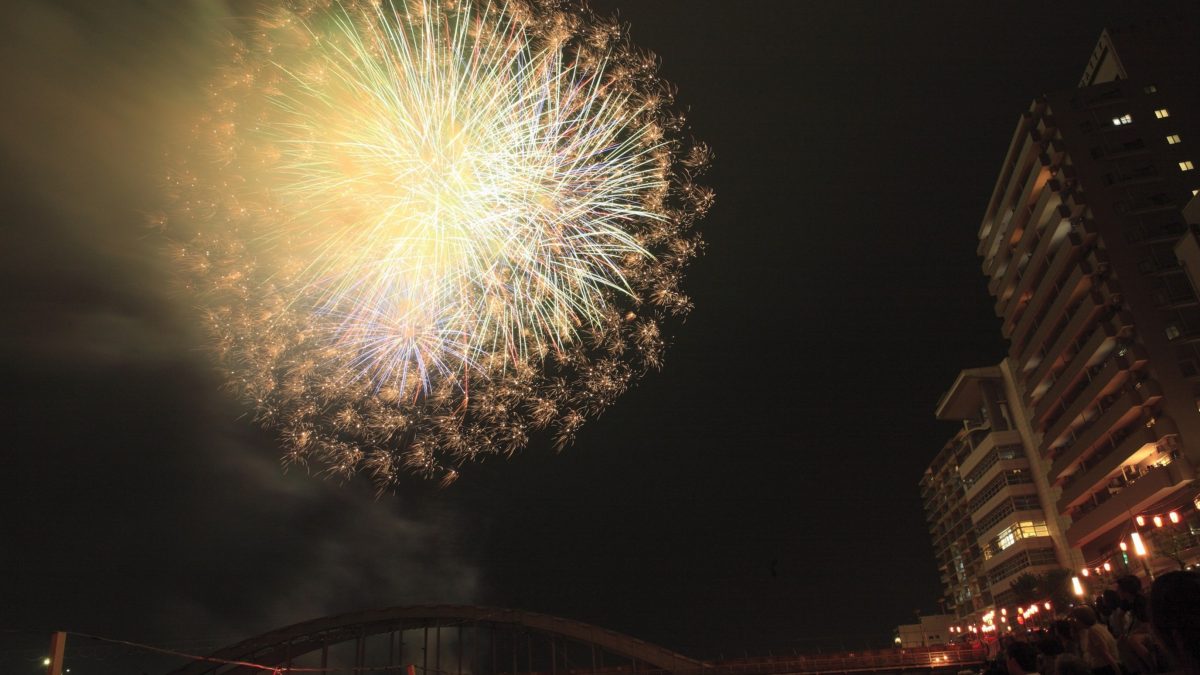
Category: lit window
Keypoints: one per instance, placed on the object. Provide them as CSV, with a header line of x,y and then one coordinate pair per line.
x,y
1161,113
1186,165
1122,120
1173,139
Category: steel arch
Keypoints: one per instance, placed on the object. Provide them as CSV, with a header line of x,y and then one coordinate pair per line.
x,y
278,647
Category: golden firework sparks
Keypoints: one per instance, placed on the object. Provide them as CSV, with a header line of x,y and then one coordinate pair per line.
x,y
421,229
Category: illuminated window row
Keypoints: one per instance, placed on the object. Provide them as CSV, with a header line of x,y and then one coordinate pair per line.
x,y
1128,119
1012,534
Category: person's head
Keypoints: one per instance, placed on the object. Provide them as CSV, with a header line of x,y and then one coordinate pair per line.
x,y
1084,616
1109,601
1022,658
1129,587
1175,616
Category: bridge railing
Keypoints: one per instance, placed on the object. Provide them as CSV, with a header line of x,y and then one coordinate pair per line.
x,y
883,660
854,662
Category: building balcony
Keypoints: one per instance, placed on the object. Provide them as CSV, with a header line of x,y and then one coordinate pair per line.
x,y
1016,516
996,469
1005,584
1031,235
1018,323
989,443
1081,322
1015,549
1105,379
1055,151
1005,492
1064,294
1107,462
1053,230
1117,414
1149,489
1045,392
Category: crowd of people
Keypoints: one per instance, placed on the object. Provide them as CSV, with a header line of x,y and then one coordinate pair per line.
x,y
1123,632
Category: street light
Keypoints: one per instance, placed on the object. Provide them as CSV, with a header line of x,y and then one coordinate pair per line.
x,y
1138,547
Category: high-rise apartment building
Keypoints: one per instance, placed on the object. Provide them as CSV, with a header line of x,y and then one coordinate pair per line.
x,y
1079,243
955,546
985,499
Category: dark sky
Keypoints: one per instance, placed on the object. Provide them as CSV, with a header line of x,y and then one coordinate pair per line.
x,y
759,494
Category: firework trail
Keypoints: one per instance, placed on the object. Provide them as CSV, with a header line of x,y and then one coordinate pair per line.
x,y
421,230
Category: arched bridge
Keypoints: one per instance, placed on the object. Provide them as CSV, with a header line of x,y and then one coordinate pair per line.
x,y
465,640
445,640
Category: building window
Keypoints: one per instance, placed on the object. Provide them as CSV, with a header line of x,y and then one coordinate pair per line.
x,y
1186,165
1161,113
1122,120
1173,139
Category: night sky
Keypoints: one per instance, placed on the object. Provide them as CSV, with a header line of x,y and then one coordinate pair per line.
x,y
759,494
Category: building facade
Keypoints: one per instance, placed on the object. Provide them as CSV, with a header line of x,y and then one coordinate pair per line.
x,y
955,546
1079,243
990,513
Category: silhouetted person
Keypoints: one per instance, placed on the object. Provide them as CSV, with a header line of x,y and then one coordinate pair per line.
x,y
1129,592
1175,616
1050,646
1097,646
1139,651
1022,659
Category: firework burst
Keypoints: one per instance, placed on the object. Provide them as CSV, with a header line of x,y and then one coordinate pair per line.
x,y
421,230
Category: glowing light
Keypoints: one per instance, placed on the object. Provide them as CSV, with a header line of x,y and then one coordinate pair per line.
x,y
1085,571
1047,606
422,230
1107,567
1077,586
46,661
1124,546
1174,516
1138,547
1141,521
1158,521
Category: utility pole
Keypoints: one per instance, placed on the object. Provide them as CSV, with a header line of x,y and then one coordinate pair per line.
x,y
58,644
